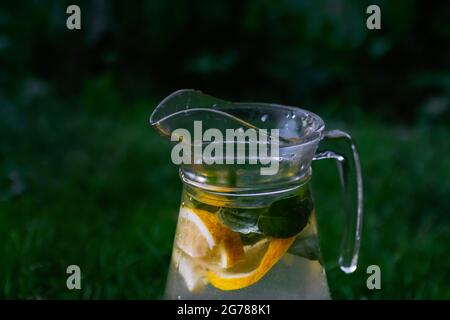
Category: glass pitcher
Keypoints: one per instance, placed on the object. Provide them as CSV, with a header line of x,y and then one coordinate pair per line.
x,y
244,231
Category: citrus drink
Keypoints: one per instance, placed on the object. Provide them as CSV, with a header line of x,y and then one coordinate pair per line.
x,y
246,247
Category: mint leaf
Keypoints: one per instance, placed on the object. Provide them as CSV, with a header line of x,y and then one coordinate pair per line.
x,y
307,247
251,238
240,220
283,219
286,218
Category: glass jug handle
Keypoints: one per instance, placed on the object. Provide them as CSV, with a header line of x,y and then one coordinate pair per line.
x,y
337,144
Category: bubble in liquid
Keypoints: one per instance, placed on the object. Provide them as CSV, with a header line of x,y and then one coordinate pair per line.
x,y
264,118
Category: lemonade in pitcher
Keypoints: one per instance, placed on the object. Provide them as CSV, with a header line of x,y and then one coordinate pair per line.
x,y
226,249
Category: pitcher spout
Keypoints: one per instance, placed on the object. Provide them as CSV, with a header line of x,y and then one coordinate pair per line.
x,y
185,106
236,146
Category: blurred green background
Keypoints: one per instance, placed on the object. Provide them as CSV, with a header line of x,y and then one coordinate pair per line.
x,y
84,180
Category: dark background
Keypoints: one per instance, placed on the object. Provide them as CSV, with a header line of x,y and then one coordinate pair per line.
x,y
84,180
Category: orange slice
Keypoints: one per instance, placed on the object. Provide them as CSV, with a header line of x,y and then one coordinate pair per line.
x,y
239,277
193,274
202,235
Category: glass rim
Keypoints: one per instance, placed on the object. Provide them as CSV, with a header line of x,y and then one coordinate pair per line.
x,y
311,136
248,192
315,134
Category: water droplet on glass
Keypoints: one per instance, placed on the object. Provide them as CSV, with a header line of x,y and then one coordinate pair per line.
x,y
264,118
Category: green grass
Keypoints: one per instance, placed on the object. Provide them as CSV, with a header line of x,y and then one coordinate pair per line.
x,y
94,186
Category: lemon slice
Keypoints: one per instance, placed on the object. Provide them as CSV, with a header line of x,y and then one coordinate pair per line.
x,y
194,274
202,235
240,276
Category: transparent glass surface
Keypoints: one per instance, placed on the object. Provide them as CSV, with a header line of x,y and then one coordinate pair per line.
x,y
244,235
299,135
296,274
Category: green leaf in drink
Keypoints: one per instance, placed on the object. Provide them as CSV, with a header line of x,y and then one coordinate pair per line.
x,y
307,247
285,218
251,238
240,220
